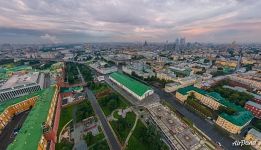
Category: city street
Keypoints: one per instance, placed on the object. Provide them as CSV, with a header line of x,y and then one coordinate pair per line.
x,y
201,123
112,140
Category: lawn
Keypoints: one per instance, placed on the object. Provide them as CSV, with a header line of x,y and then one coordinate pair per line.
x,y
72,73
66,116
64,145
145,139
111,102
98,87
84,110
123,126
100,146
90,139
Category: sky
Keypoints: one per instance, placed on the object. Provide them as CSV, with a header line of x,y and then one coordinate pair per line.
x,y
70,21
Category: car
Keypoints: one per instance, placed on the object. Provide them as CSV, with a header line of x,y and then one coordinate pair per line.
x,y
219,144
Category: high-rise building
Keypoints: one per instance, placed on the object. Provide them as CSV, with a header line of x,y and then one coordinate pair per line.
x,y
182,43
177,44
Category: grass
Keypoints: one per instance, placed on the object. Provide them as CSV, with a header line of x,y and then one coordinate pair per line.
x,y
116,115
99,87
90,139
111,102
100,146
134,142
139,140
64,145
84,110
123,126
66,116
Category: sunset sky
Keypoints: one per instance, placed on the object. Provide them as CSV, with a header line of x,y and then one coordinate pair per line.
x,y
68,21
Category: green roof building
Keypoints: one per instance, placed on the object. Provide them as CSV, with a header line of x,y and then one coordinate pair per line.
x,y
237,121
132,86
31,133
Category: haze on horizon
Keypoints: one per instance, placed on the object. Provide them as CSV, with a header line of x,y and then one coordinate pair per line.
x,y
68,21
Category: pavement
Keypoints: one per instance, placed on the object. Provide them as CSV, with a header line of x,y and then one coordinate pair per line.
x,y
199,122
7,136
112,140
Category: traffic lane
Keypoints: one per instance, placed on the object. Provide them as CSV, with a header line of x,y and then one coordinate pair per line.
x,y
202,124
108,131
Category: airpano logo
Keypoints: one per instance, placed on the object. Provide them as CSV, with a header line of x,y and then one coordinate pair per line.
x,y
243,142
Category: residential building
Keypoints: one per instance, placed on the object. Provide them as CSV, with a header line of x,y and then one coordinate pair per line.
x,y
140,69
166,75
254,137
232,123
255,108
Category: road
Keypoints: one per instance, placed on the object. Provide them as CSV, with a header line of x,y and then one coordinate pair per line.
x,y
80,74
47,80
201,123
7,136
112,140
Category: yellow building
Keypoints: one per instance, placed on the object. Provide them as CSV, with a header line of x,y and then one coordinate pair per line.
x,y
254,138
229,63
13,109
166,76
232,123
40,127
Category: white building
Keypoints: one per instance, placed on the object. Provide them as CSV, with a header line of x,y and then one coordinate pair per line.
x,y
19,85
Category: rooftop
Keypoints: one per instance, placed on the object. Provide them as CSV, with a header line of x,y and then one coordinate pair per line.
x,y
10,102
240,118
133,85
256,133
241,115
254,104
71,89
31,131
186,90
17,80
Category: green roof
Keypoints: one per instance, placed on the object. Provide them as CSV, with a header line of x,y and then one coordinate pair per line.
x,y
217,97
239,119
186,90
31,131
132,84
241,116
2,70
10,102
71,89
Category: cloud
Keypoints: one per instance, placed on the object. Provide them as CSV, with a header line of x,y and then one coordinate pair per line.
x,y
129,20
50,39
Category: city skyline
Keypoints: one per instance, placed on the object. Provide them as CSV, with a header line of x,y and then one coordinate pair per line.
x,y
37,22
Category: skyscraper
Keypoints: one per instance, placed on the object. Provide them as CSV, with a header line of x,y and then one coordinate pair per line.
x,y
177,44
182,41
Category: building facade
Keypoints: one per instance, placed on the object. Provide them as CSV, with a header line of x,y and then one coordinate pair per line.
x,y
254,137
20,85
255,108
232,123
134,87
